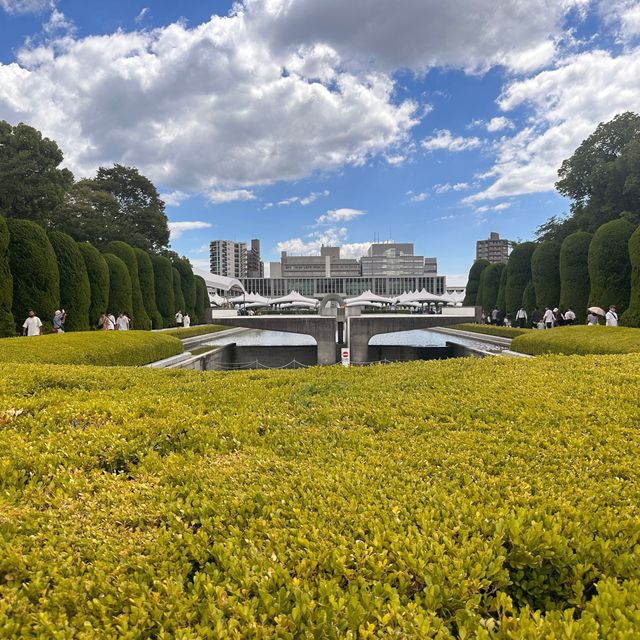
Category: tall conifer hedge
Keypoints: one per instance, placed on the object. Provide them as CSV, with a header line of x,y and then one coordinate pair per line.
x,y
574,274
490,285
98,273
163,281
631,317
187,284
126,253
36,279
473,282
177,293
202,300
148,287
120,299
545,274
501,300
518,275
7,323
75,291
610,265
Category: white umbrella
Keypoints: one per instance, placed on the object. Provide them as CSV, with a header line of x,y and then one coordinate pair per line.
x,y
294,296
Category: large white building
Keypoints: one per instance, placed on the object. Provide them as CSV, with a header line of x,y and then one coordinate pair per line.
x,y
228,258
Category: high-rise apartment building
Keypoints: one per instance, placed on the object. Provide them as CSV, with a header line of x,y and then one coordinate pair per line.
x,y
228,258
255,266
494,249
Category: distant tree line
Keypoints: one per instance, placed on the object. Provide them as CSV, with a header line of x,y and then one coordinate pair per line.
x,y
591,257
90,246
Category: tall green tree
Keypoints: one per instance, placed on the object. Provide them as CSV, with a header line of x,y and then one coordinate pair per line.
x,y
610,265
187,284
141,220
501,301
33,185
165,297
473,282
126,253
148,287
202,300
178,296
120,300
574,274
518,275
545,274
7,324
36,279
98,273
631,317
529,298
490,285
75,290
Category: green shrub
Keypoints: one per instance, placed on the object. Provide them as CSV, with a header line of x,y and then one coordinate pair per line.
x,y
491,330
421,500
36,279
104,348
75,291
7,323
126,253
473,282
119,286
574,274
631,317
98,273
501,301
148,287
187,285
610,265
529,299
518,275
177,293
545,274
202,300
190,332
163,280
579,340
489,286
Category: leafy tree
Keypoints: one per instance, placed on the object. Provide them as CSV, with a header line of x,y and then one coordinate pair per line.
x,y
7,325
75,291
501,301
177,293
163,281
120,300
98,273
529,298
545,274
187,284
610,265
36,279
126,253
473,282
202,300
33,186
148,287
518,275
490,285
631,317
140,219
574,273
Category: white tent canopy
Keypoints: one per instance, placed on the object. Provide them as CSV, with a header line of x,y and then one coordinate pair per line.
x,y
249,298
294,296
368,296
216,281
216,300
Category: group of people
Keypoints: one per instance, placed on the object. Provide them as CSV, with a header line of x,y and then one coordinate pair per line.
x,y
183,319
547,319
108,322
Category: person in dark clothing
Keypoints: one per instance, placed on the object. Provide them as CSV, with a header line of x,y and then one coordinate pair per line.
x,y
535,317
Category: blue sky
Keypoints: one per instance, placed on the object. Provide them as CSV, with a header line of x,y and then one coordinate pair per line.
x,y
302,122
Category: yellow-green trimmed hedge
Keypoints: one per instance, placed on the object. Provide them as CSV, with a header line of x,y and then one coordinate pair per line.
x,y
199,330
580,340
423,500
105,348
491,330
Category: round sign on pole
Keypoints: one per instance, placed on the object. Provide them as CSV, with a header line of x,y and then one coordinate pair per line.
x,y
346,357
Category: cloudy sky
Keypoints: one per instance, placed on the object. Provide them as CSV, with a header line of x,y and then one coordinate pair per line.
x,y
303,122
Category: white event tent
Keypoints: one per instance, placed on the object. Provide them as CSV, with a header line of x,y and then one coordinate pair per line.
x,y
294,297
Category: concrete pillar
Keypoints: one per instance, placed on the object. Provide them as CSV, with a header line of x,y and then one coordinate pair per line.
x,y
358,341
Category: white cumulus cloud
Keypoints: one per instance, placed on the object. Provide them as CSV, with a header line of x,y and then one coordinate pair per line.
x,y
444,140
235,195
339,215
176,229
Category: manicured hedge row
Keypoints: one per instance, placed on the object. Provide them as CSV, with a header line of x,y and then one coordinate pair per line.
x,y
579,340
502,332
424,500
7,323
191,332
106,348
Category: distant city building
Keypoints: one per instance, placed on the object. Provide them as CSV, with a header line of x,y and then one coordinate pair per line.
x,y
396,260
328,264
228,258
494,249
255,267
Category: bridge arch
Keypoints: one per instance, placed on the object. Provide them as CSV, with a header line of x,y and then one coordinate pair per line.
x,y
331,297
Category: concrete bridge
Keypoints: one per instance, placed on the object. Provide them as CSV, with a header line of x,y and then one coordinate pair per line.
x,y
360,328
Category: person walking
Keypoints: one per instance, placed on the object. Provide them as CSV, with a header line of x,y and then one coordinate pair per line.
x,y
123,323
592,319
611,319
106,323
186,320
521,317
569,317
535,318
32,326
548,318
58,321
179,318
494,316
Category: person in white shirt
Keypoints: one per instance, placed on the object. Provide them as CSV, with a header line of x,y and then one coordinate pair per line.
x,y
611,317
569,316
32,326
123,323
179,318
548,318
186,320
521,317
112,322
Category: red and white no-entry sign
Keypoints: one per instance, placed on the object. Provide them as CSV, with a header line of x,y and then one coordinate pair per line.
x,y
346,357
